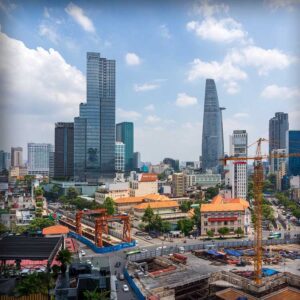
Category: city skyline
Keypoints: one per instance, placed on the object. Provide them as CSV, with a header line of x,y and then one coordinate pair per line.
x,y
162,94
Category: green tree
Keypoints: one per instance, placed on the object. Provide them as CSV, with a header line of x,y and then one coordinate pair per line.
x,y
156,223
96,295
166,226
148,215
211,192
210,233
185,225
110,205
223,231
197,217
3,228
39,224
64,256
38,191
185,206
72,193
239,232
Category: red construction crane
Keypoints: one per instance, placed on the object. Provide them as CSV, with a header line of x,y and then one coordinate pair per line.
x,y
80,213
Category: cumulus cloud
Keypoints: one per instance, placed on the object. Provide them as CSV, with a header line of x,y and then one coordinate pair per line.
x,y
150,107
78,14
232,87
280,92
164,31
225,30
152,119
132,59
127,115
145,87
184,100
37,84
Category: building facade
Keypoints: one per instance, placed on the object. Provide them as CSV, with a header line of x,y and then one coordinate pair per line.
x,y
38,158
16,156
293,146
238,169
64,150
120,157
4,160
145,184
276,161
95,128
124,134
137,160
212,134
178,184
278,126
203,180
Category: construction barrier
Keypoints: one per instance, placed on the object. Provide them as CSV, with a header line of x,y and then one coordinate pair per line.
x,y
135,288
96,249
29,297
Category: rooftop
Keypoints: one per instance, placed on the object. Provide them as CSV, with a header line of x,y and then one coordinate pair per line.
x,y
220,204
149,197
56,229
155,205
148,177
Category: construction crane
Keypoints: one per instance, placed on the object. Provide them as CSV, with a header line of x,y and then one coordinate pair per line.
x,y
258,181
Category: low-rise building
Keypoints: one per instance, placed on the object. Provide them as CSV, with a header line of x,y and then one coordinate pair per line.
x,y
159,207
113,190
146,183
231,213
203,180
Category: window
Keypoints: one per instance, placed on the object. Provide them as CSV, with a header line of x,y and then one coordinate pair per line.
x,y
225,222
205,215
205,223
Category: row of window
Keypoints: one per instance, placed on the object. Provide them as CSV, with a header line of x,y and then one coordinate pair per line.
x,y
218,223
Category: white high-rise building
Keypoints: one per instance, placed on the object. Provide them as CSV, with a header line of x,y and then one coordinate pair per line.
x,y
238,169
120,157
38,158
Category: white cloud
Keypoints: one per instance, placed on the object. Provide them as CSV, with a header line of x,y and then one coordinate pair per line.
x,y
232,87
49,33
152,119
78,14
280,92
207,9
224,30
279,4
145,87
241,115
127,115
164,31
46,13
45,89
264,60
132,59
150,107
184,100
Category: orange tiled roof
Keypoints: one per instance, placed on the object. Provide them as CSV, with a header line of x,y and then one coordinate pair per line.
x,y
220,204
149,197
56,229
156,197
155,205
129,200
148,177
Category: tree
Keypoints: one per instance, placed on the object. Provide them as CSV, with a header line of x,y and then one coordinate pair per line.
x,y
185,206
3,228
39,224
72,193
239,231
185,225
110,205
64,256
96,295
210,233
38,191
197,217
223,231
211,192
156,223
166,226
148,215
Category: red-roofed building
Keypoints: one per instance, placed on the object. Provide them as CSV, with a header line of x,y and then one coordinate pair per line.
x,y
147,183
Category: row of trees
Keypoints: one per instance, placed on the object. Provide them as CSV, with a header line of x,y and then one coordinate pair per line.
x,y
154,221
225,231
284,200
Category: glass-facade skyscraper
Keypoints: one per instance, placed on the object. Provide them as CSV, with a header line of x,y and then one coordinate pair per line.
x,y
120,157
293,146
125,135
212,134
94,129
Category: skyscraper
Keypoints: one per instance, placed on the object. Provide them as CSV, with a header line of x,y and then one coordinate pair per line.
x,y
64,150
4,160
16,156
238,169
137,160
278,127
120,157
212,134
125,135
95,129
293,146
38,158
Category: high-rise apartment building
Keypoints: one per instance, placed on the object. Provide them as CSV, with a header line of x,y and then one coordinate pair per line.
x,y
38,158
238,169
120,157
95,128
212,135
178,184
124,134
278,126
137,160
16,156
293,146
64,150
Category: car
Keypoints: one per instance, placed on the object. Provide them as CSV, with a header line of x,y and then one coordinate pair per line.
x,y
82,252
25,272
121,276
125,288
88,262
148,237
144,250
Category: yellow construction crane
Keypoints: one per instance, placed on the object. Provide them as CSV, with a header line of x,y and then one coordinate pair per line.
x,y
258,180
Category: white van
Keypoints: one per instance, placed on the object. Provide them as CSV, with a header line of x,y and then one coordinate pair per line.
x,y
181,249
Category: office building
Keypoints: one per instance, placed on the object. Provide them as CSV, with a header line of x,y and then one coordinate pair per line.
x,y
38,158
212,134
203,180
137,160
278,127
95,128
178,185
16,156
4,160
51,164
293,146
124,134
275,160
120,157
172,163
64,150
238,169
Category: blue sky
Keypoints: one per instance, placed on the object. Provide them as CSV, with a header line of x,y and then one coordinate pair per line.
x,y
164,52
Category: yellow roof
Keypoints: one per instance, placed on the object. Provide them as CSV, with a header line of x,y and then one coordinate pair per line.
x,y
156,197
128,200
56,229
155,205
149,197
220,204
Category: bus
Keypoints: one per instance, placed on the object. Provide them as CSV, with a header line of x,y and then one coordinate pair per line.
x,y
131,252
274,235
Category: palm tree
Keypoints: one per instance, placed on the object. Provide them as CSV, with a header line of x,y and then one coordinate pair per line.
x,y
95,295
64,256
33,284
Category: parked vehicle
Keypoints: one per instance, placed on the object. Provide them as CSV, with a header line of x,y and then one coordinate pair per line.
x,y
125,288
82,252
181,249
121,276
